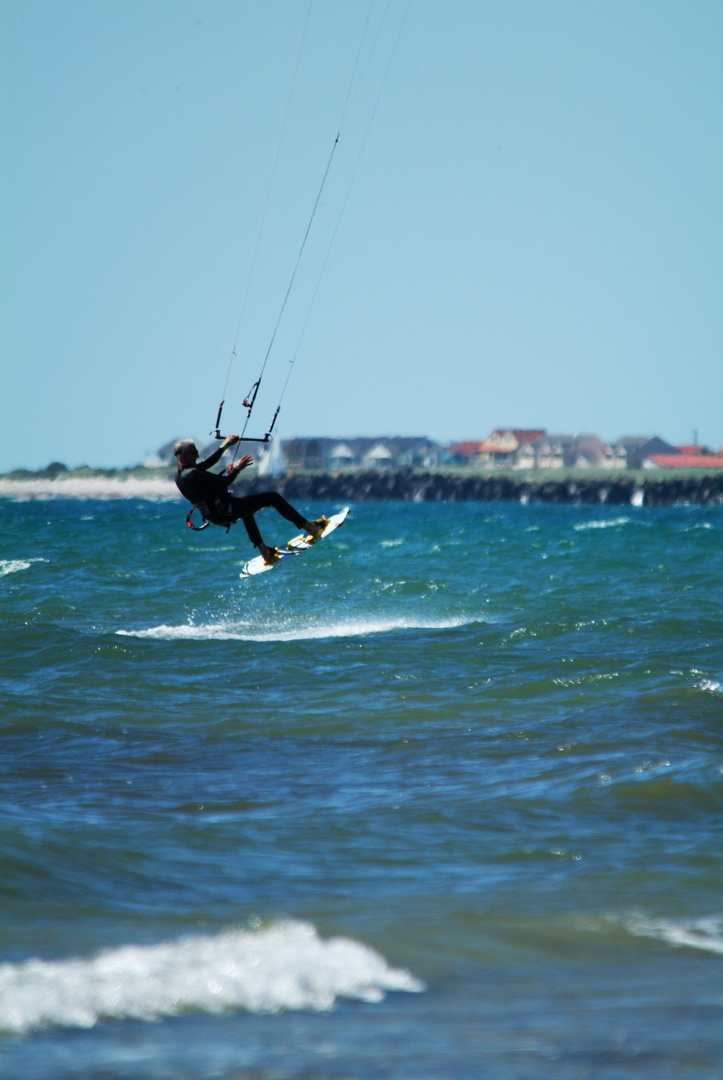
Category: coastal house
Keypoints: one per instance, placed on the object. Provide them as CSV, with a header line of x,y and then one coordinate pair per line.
x,y
341,456
590,452
305,453
378,457
572,451
465,453
415,452
526,457
683,461
693,448
503,444
636,448
549,451
361,453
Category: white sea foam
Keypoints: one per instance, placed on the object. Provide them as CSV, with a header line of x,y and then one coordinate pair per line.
x,y
12,566
705,934
235,631
285,966
712,685
609,524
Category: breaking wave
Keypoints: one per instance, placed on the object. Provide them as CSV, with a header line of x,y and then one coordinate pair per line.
x,y
12,566
705,933
354,627
282,967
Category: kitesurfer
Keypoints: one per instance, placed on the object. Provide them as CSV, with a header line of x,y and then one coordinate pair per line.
x,y
209,492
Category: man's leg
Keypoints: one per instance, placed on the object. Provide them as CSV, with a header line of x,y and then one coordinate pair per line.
x,y
246,506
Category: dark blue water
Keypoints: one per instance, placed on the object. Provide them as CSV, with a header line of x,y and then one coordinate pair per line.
x,y
439,798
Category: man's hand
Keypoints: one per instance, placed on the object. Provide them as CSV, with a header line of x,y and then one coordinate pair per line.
x,y
230,440
243,463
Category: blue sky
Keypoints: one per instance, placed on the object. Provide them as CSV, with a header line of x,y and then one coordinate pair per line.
x,y
521,225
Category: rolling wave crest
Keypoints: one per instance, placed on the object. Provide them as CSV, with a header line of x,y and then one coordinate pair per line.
x,y
329,628
705,934
285,966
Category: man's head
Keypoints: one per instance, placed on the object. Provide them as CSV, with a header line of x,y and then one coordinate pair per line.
x,y
186,451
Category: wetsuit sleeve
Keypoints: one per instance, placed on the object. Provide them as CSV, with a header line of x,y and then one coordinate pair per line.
x,y
231,475
211,459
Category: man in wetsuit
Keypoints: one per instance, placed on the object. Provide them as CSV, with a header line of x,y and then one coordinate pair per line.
x,y
209,492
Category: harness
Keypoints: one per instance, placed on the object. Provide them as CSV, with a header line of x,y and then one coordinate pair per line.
x,y
210,514
208,517
192,524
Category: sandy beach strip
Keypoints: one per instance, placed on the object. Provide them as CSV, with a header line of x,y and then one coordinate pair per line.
x,y
89,487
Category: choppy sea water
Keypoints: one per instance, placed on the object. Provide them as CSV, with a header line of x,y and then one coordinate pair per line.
x,y
440,799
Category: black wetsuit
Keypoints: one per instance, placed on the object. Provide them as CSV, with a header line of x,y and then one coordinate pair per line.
x,y
209,492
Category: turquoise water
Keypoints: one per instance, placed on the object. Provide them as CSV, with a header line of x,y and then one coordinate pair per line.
x,y
440,798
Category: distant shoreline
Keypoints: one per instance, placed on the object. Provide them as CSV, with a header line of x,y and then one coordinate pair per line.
x,y
596,487
88,486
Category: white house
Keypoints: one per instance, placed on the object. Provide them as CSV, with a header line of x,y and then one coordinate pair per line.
x,y
379,457
341,456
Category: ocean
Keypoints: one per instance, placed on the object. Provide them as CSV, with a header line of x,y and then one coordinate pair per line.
x,y
440,799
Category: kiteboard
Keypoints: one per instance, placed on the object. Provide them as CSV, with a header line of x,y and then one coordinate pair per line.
x,y
295,546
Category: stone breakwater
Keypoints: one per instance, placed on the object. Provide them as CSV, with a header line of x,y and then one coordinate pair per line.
x,y
406,485
400,485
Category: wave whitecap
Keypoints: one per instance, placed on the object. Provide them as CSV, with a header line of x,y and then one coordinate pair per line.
x,y
286,966
705,934
609,523
233,631
13,566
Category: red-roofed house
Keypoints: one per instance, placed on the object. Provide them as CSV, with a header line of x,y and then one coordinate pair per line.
x,y
684,461
502,445
466,452
693,448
